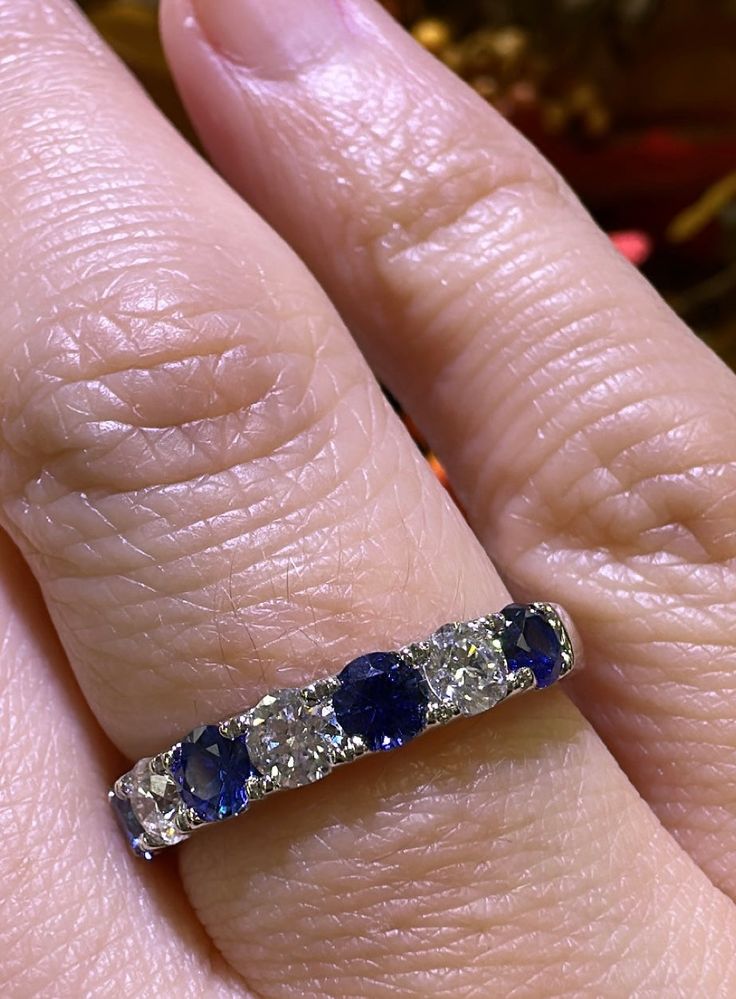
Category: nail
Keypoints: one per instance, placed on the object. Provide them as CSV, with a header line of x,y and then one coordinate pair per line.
x,y
273,38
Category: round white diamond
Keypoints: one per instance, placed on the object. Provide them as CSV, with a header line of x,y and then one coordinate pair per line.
x,y
464,670
288,740
155,801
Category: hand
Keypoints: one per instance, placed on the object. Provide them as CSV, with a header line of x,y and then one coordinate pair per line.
x,y
216,500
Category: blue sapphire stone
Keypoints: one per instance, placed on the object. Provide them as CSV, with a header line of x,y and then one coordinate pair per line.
x,y
529,640
130,825
382,699
211,772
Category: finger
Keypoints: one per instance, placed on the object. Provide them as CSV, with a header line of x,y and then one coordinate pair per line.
x,y
197,466
584,428
209,486
76,918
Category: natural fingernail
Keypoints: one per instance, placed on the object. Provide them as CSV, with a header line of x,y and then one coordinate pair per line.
x,y
274,38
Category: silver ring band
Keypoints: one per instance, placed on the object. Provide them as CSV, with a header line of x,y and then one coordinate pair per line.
x,y
379,701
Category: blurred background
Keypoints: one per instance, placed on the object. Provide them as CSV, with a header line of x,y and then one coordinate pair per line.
x,y
634,101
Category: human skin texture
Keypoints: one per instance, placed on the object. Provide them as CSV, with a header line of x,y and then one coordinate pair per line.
x,y
199,469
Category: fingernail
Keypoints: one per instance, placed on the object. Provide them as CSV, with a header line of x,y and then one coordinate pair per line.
x,y
273,38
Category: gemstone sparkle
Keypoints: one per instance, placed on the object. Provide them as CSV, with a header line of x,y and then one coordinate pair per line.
x,y
155,803
288,740
211,771
382,699
464,670
530,640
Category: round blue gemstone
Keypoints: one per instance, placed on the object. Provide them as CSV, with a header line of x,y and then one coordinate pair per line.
x,y
382,699
529,640
211,772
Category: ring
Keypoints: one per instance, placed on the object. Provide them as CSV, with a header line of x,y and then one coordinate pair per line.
x,y
377,702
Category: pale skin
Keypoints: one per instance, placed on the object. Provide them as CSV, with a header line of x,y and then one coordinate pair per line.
x,y
200,471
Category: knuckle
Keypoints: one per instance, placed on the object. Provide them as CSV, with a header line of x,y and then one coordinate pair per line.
x,y
642,476
470,226
130,395
636,498
135,437
457,185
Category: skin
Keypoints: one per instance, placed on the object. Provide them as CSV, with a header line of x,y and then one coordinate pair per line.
x,y
214,498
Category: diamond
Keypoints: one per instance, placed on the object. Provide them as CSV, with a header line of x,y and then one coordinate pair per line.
x,y
211,771
530,640
289,740
382,699
130,825
155,802
464,670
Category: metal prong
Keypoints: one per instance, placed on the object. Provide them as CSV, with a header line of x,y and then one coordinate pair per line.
x,y
519,681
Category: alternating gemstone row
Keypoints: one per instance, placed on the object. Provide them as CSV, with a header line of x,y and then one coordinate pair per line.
x,y
377,702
